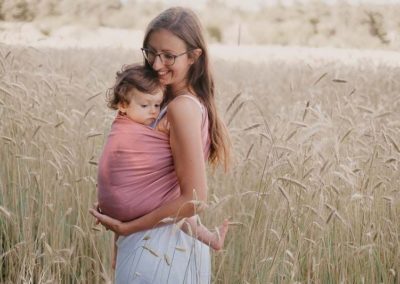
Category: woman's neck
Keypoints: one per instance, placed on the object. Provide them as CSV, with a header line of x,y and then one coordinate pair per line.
x,y
180,90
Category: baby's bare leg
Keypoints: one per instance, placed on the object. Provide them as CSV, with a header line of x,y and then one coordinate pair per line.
x,y
213,239
218,242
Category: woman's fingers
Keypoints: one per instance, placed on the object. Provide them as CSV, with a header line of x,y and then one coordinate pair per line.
x,y
96,206
94,212
97,215
96,209
108,222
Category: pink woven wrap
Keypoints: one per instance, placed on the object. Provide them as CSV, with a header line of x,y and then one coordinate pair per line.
x,y
136,171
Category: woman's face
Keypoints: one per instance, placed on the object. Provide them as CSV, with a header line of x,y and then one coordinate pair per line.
x,y
163,41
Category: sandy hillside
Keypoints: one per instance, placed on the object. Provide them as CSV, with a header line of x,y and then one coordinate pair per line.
x,y
83,37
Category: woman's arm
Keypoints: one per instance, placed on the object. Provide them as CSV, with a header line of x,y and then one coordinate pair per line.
x,y
186,143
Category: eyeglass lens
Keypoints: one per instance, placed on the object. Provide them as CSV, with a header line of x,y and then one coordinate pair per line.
x,y
166,58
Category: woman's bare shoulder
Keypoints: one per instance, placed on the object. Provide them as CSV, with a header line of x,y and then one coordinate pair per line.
x,y
183,109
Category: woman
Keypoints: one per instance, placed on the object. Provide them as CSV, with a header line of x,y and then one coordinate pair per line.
x,y
174,47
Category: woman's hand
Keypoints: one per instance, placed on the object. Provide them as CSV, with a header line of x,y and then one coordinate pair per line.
x,y
108,222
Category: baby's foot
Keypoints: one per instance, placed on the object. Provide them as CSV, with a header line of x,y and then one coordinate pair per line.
x,y
219,237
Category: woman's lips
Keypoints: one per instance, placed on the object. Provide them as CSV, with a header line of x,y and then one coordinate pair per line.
x,y
162,74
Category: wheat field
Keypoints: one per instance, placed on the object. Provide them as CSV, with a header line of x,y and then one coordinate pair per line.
x,y
313,194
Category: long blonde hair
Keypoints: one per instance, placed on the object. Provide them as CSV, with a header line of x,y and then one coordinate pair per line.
x,y
184,23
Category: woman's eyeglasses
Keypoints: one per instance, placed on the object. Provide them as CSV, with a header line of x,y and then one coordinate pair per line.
x,y
166,58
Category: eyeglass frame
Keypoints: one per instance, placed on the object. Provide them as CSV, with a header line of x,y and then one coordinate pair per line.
x,y
159,55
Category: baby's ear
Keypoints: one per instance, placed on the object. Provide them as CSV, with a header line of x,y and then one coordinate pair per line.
x,y
122,107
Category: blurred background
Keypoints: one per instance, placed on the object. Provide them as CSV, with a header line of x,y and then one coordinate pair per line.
x,y
309,91
334,23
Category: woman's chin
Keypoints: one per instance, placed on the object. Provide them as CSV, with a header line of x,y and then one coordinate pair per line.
x,y
164,81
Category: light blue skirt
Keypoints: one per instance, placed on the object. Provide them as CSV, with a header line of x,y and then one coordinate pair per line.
x,y
162,255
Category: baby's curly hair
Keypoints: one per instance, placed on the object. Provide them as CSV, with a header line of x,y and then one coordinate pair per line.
x,y
132,77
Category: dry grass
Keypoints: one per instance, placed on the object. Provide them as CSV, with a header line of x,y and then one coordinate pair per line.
x,y
319,192
314,190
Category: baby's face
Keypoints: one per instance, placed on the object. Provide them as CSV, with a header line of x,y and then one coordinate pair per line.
x,y
143,108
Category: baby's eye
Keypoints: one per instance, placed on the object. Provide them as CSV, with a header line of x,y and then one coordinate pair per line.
x,y
157,105
143,106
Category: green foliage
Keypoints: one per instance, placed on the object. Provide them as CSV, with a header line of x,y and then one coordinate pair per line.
x,y
20,10
215,33
375,22
313,24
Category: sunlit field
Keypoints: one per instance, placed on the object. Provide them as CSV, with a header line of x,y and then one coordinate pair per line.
x,y
313,194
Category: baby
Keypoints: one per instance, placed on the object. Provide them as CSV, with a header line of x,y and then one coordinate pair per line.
x,y
137,95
